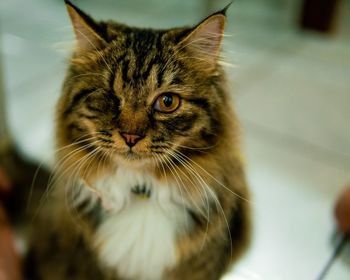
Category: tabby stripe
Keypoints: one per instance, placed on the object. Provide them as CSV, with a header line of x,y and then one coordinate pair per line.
x,y
105,140
104,132
181,123
146,73
160,76
94,215
125,68
88,116
158,152
197,218
200,102
158,139
128,42
158,59
77,98
97,110
121,58
112,80
209,137
154,147
74,132
119,63
106,146
159,44
177,81
74,126
157,52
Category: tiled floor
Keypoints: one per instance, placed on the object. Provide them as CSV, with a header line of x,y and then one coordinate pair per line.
x,y
292,92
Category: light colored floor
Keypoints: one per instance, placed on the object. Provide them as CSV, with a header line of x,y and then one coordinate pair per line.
x,y
292,93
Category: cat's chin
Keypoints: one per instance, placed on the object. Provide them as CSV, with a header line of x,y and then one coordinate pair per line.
x,y
133,160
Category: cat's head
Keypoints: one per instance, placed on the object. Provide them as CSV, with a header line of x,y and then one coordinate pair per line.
x,y
139,94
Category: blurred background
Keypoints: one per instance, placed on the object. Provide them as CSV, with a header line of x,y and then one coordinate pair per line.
x,y
289,69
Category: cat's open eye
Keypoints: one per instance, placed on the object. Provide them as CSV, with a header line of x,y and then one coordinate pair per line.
x,y
167,102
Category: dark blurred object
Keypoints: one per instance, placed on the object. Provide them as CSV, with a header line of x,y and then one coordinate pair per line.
x,y
319,15
5,183
16,176
342,236
21,173
338,249
10,267
4,133
16,173
3,127
342,211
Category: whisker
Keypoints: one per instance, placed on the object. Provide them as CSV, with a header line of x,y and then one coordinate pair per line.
x,y
67,157
178,185
200,210
203,149
211,176
205,192
218,204
54,176
30,195
75,216
195,186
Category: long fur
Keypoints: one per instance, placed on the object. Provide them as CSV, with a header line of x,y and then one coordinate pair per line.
x,y
174,204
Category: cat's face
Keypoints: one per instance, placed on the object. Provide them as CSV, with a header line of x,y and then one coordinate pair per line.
x,y
141,94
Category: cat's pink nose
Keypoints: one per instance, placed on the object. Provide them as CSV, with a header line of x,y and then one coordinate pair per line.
x,y
131,139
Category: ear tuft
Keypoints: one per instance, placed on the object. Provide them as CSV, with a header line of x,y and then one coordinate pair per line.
x,y
224,10
204,41
84,27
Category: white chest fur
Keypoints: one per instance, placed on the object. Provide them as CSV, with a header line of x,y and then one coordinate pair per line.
x,y
138,235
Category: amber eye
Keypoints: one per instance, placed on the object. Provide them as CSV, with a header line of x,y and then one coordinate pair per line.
x,y
167,102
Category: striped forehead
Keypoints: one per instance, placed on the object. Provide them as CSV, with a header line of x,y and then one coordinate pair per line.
x,y
141,59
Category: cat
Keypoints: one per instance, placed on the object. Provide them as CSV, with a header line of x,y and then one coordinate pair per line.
x,y
149,182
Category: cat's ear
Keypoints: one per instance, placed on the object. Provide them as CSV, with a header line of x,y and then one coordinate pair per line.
x,y
204,40
85,29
